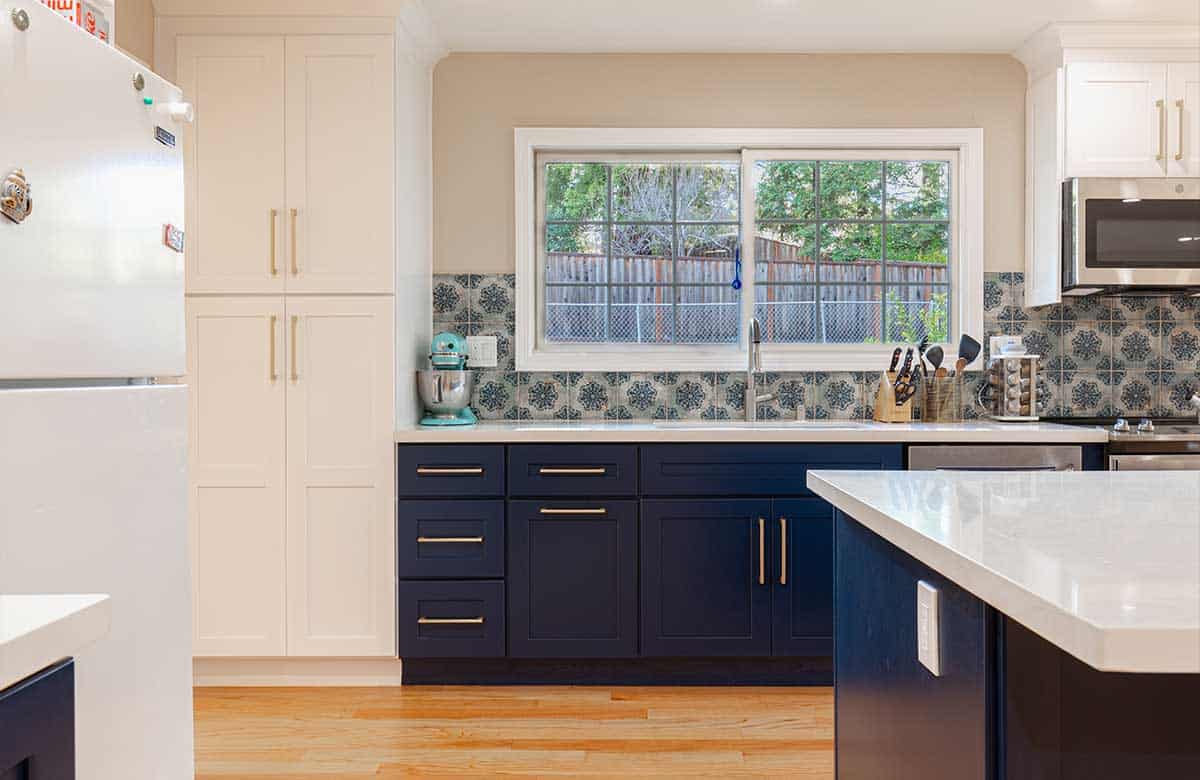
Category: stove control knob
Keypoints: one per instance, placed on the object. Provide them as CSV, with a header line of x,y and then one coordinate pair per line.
x,y
1146,425
1121,425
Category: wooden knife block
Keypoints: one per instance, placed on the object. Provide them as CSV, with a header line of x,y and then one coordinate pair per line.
x,y
885,402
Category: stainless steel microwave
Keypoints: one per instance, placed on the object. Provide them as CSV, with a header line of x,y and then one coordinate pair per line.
x,y
1131,235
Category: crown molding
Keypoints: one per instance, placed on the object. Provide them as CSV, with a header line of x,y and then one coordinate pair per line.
x,y
1050,46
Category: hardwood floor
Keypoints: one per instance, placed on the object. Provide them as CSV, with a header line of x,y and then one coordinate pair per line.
x,y
530,731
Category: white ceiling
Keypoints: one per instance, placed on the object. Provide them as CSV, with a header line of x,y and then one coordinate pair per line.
x,y
774,25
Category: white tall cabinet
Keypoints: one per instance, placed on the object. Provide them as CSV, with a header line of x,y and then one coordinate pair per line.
x,y
291,261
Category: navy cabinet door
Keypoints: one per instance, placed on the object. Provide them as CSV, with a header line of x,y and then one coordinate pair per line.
x,y
705,586
572,580
802,578
37,726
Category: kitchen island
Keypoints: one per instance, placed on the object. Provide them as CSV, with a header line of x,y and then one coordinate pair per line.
x,y
1061,639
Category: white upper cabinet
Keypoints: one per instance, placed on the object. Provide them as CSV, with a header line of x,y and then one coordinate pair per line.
x,y
341,517
290,164
1116,119
234,162
236,473
1183,123
340,164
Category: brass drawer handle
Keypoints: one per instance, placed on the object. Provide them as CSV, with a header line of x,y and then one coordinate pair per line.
x,y
1162,130
274,264
783,551
295,260
273,375
427,621
580,470
1179,105
449,540
444,471
762,551
597,511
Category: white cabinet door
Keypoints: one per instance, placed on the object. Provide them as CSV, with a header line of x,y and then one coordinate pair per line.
x,y
1116,119
340,164
340,480
236,474
234,162
1183,125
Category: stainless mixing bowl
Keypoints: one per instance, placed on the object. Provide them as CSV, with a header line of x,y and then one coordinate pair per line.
x,y
445,393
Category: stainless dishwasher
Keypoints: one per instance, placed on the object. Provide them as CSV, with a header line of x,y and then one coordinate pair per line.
x,y
997,457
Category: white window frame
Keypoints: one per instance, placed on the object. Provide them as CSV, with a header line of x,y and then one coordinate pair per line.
x,y
533,353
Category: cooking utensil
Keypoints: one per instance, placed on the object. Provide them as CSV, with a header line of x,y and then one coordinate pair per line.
x,y
968,350
921,348
895,360
903,385
936,355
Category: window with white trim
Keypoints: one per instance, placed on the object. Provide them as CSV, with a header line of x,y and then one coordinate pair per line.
x,y
655,259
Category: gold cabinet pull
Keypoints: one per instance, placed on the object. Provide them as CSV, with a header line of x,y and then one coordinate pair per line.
x,y
274,263
449,540
783,551
295,369
762,551
444,471
1162,129
273,374
295,260
578,470
428,621
596,511
1179,105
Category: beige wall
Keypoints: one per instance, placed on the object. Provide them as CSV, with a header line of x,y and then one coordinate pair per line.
x,y
479,98
135,29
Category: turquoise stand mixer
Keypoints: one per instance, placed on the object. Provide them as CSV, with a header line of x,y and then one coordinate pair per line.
x,y
446,386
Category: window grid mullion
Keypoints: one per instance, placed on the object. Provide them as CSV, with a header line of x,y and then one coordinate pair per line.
x,y
608,259
674,252
819,322
883,268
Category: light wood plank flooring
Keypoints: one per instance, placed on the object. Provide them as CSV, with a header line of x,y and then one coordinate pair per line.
x,y
534,731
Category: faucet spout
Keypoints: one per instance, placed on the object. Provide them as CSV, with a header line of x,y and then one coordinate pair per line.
x,y
754,367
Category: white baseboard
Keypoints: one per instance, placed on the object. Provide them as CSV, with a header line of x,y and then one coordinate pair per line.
x,y
345,672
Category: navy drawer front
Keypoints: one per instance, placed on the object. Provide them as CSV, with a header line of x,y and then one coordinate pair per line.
x,y
572,470
451,539
452,470
451,619
752,469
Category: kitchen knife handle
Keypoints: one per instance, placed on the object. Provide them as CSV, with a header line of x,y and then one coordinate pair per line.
x,y
273,374
295,259
274,262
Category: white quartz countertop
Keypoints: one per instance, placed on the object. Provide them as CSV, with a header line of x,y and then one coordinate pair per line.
x,y
39,630
1105,565
735,431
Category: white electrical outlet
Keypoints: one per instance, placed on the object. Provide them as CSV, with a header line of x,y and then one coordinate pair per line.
x,y
481,351
927,628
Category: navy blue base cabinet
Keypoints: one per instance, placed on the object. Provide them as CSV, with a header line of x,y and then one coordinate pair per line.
x,y
1008,704
705,588
617,563
572,579
37,726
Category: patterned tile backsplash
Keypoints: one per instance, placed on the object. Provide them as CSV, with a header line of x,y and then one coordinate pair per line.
x,y
1100,356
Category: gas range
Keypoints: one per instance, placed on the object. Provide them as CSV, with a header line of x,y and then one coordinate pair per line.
x,y
1148,443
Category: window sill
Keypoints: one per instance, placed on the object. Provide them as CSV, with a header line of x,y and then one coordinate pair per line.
x,y
681,358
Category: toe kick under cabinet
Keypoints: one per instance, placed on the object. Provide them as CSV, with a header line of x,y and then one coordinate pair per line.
x,y
618,551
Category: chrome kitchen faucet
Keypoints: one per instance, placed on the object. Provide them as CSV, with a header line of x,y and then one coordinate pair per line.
x,y
754,367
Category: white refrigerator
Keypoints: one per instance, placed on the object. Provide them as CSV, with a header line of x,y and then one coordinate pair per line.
x,y
93,409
